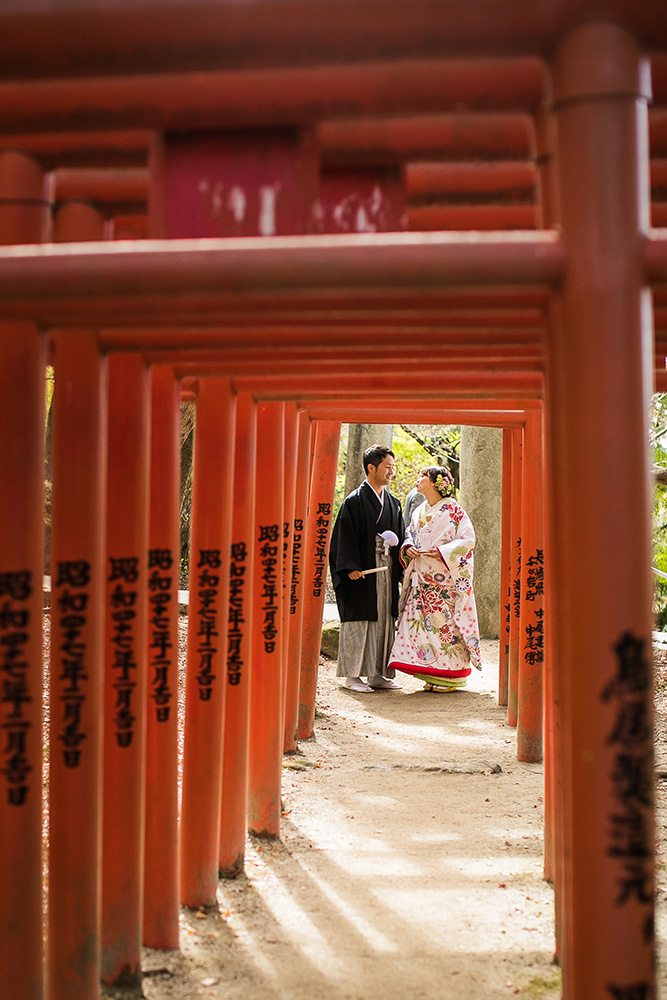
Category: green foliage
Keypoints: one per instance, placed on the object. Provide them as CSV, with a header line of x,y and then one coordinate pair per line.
x,y
339,493
411,456
658,435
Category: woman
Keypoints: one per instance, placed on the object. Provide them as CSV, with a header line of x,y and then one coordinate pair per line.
x,y
438,636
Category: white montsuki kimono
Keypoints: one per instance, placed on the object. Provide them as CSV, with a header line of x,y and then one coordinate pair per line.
x,y
438,635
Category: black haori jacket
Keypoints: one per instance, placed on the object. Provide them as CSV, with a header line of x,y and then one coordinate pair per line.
x,y
353,547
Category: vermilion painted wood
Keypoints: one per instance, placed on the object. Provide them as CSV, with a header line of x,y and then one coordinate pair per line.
x,y
115,186
312,360
655,259
125,670
505,570
388,385
272,96
239,660
532,626
549,202
24,208
41,42
604,653
429,180
267,707
473,329
77,221
78,561
318,534
427,414
22,366
296,577
515,577
206,686
81,149
161,857
183,277
425,218
291,471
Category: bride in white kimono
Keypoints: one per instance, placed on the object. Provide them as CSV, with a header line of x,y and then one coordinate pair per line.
x,y
438,635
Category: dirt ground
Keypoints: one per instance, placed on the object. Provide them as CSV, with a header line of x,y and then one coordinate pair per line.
x,y
410,864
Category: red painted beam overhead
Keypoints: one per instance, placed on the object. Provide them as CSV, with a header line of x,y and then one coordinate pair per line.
x,y
80,35
121,185
483,218
117,148
276,96
35,279
457,136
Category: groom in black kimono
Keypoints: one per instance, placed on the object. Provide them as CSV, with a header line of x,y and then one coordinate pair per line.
x,y
367,535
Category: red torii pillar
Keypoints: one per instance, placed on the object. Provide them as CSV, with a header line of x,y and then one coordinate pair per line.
x,y
239,642
161,857
22,368
505,569
125,669
291,457
207,641
77,663
296,595
530,700
318,535
515,578
77,635
267,710
603,684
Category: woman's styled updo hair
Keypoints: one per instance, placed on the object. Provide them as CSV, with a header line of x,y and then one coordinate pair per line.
x,y
441,479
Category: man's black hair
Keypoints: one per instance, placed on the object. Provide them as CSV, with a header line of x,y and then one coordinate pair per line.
x,y
375,455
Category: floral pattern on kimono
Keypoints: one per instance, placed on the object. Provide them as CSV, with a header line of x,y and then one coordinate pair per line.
x,y
438,632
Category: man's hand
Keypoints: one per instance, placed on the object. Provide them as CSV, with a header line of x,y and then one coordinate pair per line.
x,y
355,574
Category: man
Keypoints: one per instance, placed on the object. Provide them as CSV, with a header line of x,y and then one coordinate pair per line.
x,y
367,535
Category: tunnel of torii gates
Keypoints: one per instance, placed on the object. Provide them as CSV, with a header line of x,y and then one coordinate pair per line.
x,y
555,332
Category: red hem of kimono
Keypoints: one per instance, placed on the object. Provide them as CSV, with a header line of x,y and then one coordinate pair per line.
x,y
409,668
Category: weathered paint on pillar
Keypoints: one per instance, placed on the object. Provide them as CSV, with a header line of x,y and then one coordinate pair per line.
x,y
125,669
296,589
603,529
318,536
515,577
161,860
531,622
22,367
240,182
266,681
207,641
77,665
237,700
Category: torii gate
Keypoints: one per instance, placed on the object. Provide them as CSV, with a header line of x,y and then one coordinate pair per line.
x,y
594,282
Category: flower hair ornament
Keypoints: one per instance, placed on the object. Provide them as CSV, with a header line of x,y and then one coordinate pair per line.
x,y
443,484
